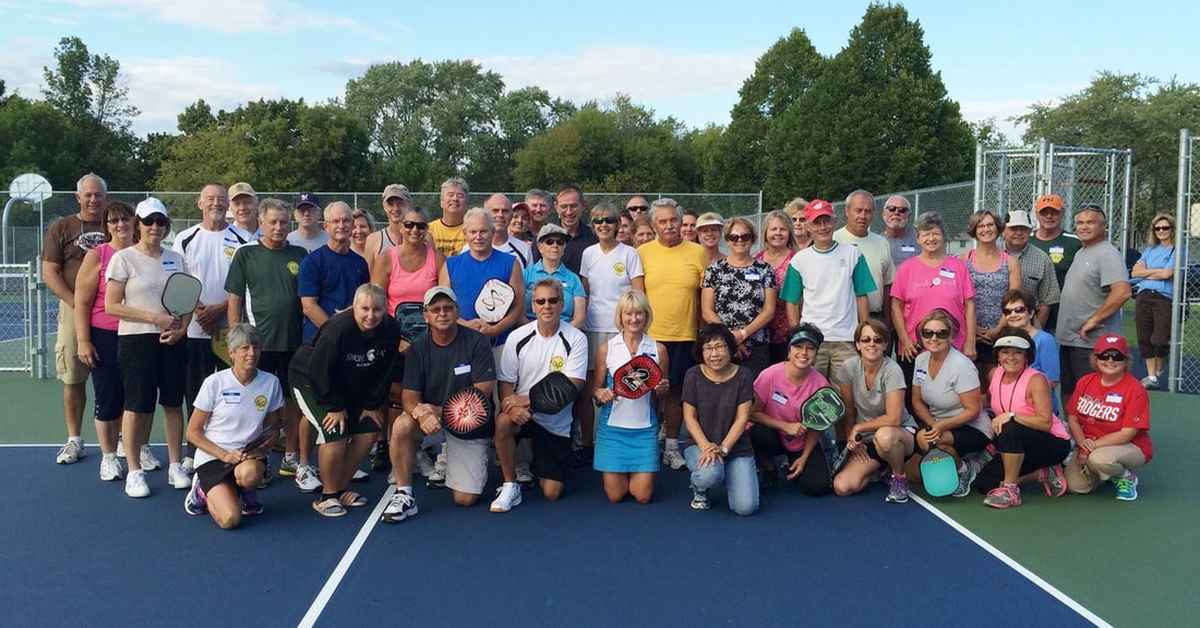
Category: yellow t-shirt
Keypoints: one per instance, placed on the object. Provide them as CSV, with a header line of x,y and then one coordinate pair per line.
x,y
449,240
673,277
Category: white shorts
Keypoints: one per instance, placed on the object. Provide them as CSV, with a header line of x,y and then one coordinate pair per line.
x,y
466,464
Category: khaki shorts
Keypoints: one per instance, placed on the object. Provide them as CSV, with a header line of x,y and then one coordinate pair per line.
x,y
66,349
466,464
830,357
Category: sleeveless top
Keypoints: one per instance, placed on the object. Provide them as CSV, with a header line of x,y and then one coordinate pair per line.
x,y
989,291
385,240
406,287
1006,398
467,276
778,327
630,414
100,319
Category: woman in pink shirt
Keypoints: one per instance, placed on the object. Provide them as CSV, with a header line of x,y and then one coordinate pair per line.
x,y
932,280
96,330
779,245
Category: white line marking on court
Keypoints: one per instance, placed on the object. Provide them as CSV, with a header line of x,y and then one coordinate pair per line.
x,y
1018,567
93,445
339,572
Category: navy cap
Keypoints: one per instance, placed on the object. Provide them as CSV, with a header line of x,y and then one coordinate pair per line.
x,y
308,198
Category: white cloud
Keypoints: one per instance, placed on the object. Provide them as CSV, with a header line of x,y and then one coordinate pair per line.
x,y
22,62
225,16
163,87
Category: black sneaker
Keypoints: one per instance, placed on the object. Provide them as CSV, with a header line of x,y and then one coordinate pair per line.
x,y
380,459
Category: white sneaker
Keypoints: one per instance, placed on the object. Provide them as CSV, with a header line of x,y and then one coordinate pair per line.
x,y
70,453
438,474
135,484
508,496
178,478
360,476
392,477
672,458
148,459
401,507
189,465
111,468
524,475
306,478
120,447
424,463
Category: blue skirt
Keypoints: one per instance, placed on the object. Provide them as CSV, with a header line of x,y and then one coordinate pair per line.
x,y
624,450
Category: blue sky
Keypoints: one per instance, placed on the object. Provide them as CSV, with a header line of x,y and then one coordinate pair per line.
x,y
680,58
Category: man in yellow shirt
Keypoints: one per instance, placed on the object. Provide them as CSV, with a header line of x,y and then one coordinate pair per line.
x,y
673,269
447,232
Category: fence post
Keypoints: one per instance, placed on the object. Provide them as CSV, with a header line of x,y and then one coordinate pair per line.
x,y
760,203
1178,298
980,174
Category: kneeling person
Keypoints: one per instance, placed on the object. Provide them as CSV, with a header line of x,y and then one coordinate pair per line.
x,y
447,359
543,348
341,384
231,411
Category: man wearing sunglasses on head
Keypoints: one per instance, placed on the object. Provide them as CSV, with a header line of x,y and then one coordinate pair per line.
x,y
900,234
1060,245
1094,289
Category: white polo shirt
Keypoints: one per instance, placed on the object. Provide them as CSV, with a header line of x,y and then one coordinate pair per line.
x,y
208,254
237,411
528,357
609,276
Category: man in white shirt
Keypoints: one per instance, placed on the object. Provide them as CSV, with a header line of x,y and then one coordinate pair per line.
x,y
501,210
309,233
860,211
243,203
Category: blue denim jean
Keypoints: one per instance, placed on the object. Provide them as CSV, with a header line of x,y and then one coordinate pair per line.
x,y
738,474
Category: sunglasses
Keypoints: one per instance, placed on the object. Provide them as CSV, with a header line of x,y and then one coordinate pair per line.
x,y
896,209
1110,356
119,219
637,208
739,237
416,224
1163,228
1020,309
604,220
871,340
554,242
940,334
155,219
546,301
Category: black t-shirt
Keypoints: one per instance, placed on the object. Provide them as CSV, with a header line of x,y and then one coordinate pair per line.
x,y
438,372
346,367
716,406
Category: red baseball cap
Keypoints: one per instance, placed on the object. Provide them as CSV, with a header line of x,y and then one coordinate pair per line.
x,y
1108,342
817,208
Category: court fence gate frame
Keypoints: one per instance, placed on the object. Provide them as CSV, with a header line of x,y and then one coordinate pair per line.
x,y
25,309
1183,364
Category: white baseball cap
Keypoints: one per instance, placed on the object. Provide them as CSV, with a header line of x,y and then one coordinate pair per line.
x,y
151,206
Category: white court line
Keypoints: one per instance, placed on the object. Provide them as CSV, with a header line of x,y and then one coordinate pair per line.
x,y
339,572
93,445
1008,560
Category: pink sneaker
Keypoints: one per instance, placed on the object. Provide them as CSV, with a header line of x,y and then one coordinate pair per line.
x,y
1004,496
1053,480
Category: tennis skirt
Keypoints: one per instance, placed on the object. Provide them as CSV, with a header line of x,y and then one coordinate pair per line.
x,y
624,450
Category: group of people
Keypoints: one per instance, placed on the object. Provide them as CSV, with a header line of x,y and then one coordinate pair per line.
x,y
357,341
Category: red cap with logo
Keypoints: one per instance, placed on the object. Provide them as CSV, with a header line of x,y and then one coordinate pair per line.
x,y
817,208
1109,342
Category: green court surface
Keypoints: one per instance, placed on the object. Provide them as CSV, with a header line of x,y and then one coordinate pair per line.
x,y
1132,564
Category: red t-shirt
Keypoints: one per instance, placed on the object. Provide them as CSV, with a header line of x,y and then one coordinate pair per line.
x,y
1102,410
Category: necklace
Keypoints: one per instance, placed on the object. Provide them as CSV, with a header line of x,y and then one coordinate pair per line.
x,y
1011,394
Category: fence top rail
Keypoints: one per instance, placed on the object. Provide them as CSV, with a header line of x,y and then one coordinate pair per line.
x,y
1074,151
431,192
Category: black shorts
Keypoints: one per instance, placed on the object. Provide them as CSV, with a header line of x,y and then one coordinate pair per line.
x,y
968,440
551,453
201,362
215,472
314,412
151,372
276,363
106,376
679,354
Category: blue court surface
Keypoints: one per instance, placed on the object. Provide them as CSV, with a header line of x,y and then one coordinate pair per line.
x,y
80,552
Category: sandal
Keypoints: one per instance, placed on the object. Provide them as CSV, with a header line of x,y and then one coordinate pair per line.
x,y
328,507
350,499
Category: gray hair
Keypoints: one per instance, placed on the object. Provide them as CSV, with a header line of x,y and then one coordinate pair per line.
x,y
362,213
860,192
420,211
242,334
372,292
538,193
268,204
548,282
479,212
931,220
91,176
337,205
605,209
665,202
456,182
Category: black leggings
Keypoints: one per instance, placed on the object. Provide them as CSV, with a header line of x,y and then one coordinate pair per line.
x,y
815,480
1041,449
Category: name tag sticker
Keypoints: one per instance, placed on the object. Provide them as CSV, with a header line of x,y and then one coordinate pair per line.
x,y
753,276
907,248
920,376
231,397
779,398
1114,398
947,273
169,265
462,369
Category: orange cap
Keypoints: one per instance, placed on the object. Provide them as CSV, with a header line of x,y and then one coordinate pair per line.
x,y
1049,200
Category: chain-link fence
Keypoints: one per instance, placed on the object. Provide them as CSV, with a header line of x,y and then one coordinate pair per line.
x,y
17,316
1184,365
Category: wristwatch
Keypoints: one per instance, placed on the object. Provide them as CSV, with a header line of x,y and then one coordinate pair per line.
x,y
724,451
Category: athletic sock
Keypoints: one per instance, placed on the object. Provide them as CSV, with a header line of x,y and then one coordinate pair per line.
x,y
78,440
672,444
109,456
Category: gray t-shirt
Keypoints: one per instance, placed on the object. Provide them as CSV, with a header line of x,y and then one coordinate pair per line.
x,y
873,403
904,246
310,244
1093,272
958,375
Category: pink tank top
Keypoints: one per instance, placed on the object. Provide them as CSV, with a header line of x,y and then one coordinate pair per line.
x,y
405,287
1007,398
101,319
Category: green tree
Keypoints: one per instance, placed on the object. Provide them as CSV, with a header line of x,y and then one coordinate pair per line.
x,y
783,74
87,86
35,137
195,117
877,117
520,115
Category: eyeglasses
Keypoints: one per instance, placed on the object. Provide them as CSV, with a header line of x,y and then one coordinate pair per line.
x,y
940,334
605,220
547,301
554,242
637,208
118,220
438,311
740,237
1163,228
871,340
155,219
715,348
1110,356
1020,309
896,209
416,224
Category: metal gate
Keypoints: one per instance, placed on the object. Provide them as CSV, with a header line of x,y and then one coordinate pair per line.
x,y
1013,178
1183,368
23,320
